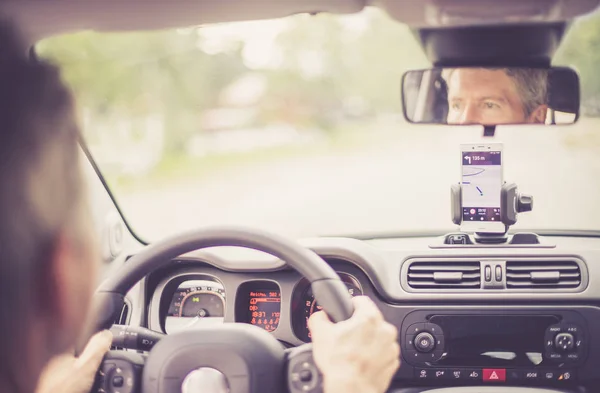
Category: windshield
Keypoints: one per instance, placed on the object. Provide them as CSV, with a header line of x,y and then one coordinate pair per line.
x,y
295,126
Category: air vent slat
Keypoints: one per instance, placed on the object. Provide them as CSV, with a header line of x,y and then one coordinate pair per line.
x,y
527,276
444,275
443,268
562,284
543,274
531,267
465,276
428,284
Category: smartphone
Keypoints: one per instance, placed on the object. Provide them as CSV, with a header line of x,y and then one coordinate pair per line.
x,y
481,181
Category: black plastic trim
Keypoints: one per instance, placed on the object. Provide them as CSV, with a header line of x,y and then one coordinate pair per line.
x,y
517,45
98,172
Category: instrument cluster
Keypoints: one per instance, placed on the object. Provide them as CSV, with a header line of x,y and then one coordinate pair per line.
x,y
195,300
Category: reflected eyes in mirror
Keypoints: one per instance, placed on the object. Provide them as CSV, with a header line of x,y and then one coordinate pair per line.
x,y
458,106
491,96
491,105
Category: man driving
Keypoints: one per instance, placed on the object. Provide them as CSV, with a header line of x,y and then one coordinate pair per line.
x,y
49,254
496,96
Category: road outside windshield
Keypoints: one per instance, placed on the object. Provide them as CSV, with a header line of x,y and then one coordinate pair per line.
x,y
295,125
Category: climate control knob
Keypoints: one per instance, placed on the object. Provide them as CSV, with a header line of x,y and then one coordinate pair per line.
x,y
424,342
564,342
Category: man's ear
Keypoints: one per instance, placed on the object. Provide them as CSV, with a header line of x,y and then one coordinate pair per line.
x,y
538,116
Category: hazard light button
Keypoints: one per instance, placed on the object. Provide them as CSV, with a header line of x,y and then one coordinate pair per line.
x,y
494,375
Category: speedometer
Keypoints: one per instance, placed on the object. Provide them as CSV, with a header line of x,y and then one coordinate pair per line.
x,y
198,301
193,302
310,305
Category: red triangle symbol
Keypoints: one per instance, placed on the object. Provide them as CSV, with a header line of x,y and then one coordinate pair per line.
x,y
493,375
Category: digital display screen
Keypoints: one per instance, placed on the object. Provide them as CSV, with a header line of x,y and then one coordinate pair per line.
x,y
264,309
481,185
493,341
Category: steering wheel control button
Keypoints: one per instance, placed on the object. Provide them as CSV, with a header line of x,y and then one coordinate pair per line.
x,y
118,375
118,381
424,342
564,342
494,375
304,375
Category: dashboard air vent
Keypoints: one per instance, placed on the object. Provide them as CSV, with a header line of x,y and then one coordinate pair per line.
x,y
543,274
444,275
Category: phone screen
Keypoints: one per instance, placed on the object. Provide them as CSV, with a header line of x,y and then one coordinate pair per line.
x,y
481,185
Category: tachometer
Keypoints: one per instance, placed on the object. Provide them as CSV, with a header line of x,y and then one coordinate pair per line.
x,y
311,306
193,301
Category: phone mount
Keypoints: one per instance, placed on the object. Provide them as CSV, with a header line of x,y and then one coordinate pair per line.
x,y
511,204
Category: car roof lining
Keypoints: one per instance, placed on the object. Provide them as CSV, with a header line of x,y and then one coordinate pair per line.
x,y
525,44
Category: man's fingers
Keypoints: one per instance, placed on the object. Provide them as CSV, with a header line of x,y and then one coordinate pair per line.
x,y
364,307
318,321
94,351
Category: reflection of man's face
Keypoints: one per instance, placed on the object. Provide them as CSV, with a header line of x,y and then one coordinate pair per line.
x,y
480,96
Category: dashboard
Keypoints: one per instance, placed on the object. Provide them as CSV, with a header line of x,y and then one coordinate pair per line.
x,y
467,314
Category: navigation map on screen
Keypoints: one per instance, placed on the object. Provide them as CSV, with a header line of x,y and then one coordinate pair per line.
x,y
481,185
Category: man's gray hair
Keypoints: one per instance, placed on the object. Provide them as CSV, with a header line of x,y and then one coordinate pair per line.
x,y
531,83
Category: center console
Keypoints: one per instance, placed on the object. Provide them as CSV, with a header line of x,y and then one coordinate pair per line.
x,y
492,347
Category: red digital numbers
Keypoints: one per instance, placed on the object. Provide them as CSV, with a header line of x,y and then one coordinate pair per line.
x,y
265,309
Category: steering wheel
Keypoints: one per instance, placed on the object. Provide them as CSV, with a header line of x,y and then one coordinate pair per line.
x,y
237,357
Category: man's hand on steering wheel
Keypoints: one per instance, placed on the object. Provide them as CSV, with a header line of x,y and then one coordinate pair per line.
x,y
69,374
360,354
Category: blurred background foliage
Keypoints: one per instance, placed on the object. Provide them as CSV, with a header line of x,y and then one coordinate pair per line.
x,y
317,75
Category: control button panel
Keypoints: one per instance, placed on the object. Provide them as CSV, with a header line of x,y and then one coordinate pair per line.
x,y
423,343
465,376
565,343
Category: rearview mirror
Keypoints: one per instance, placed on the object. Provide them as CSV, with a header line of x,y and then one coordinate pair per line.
x,y
491,96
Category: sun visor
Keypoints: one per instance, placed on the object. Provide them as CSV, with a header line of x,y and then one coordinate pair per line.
x,y
452,13
42,18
